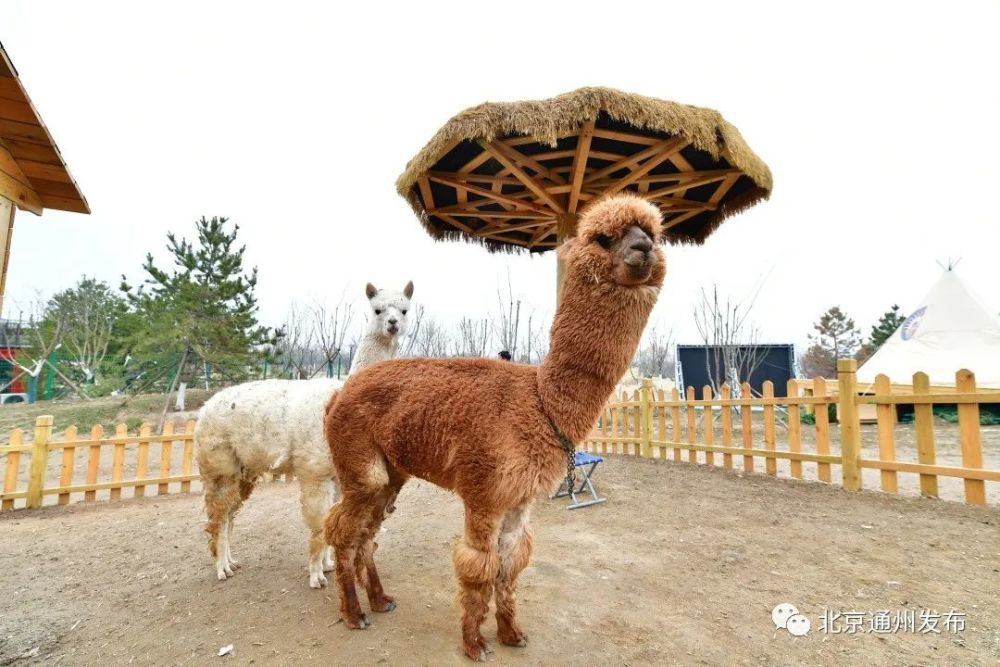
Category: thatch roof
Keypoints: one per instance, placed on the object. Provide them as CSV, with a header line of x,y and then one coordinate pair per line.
x,y
507,174
33,173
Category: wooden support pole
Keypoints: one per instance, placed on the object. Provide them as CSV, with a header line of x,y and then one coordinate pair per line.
x,y
39,460
7,210
646,418
850,424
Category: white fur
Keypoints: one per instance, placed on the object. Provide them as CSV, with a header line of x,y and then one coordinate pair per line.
x,y
276,426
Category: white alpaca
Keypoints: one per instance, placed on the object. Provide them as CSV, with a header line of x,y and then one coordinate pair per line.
x,y
276,426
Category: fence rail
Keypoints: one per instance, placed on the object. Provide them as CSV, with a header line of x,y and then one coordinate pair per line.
x,y
744,429
85,466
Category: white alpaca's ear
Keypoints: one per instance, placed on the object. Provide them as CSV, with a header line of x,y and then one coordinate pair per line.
x,y
370,290
408,290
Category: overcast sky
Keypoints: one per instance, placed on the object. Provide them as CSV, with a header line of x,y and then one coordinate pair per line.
x,y
878,120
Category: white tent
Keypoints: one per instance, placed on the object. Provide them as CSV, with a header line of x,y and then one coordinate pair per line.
x,y
948,331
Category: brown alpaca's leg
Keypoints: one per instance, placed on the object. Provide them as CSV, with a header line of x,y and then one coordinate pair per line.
x,y
344,529
477,565
515,552
365,569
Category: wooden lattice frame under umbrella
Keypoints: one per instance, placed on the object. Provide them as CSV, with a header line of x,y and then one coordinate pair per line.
x,y
516,175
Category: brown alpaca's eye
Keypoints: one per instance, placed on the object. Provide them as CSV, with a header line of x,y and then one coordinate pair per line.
x,y
603,240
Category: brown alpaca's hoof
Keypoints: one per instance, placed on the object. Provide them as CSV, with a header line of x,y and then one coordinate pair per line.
x,y
360,623
513,639
478,651
385,604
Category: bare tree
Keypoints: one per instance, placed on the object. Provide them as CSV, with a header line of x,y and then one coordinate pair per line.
x,y
507,324
48,327
409,345
534,345
732,343
88,312
473,338
331,330
655,356
433,340
297,347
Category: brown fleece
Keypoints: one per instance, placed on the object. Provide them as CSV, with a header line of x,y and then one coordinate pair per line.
x,y
485,428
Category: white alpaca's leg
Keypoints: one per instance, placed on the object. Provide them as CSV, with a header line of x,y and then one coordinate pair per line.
x,y
222,567
316,496
229,542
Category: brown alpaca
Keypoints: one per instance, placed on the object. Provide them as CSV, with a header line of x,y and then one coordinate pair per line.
x,y
491,430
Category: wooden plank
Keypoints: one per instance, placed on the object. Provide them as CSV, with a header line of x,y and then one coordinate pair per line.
x,y
931,398
924,426
26,132
123,484
794,428
723,188
519,204
17,111
469,212
850,426
24,196
769,442
675,421
520,175
142,459
187,460
727,426
746,415
767,453
674,144
580,165
24,150
39,461
7,213
708,425
118,460
885,416
165,449
13,470
676,220
642,170
637,421
661,422
759,402
10,89
692,428
93,459
68,462
523,160
425,193
971,438
933,470
822,414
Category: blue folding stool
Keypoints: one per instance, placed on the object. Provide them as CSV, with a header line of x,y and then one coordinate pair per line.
x,y
585,464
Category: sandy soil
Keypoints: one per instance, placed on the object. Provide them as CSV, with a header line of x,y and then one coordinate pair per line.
x,y
682,566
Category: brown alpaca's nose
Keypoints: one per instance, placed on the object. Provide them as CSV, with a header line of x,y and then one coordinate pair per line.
x,y
642,245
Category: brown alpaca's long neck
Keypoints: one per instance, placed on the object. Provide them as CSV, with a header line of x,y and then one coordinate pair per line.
x,y
594,338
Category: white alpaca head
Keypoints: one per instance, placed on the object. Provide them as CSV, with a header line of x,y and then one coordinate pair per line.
x,y
389,310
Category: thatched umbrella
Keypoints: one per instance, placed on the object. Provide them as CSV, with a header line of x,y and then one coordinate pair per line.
x,y
516,175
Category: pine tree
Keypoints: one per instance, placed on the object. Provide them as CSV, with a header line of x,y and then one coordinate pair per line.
x,y
882,331
203,309
836,338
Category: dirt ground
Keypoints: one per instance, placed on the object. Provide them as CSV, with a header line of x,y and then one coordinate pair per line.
x,y
681,566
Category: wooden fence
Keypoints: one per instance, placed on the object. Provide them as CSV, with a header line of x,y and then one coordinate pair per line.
x,y
82,468
740,431
651,424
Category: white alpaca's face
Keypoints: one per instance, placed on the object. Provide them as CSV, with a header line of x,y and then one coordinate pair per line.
x,y
389,310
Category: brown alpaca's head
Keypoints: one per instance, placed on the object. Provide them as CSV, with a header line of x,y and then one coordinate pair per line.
x,y
616,243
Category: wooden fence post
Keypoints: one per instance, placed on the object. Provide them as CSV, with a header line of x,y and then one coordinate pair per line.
x,y
646,417
972,446
850,424
39,460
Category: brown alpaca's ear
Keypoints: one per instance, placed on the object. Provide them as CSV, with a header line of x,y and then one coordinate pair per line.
x,y
408,290
370,290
